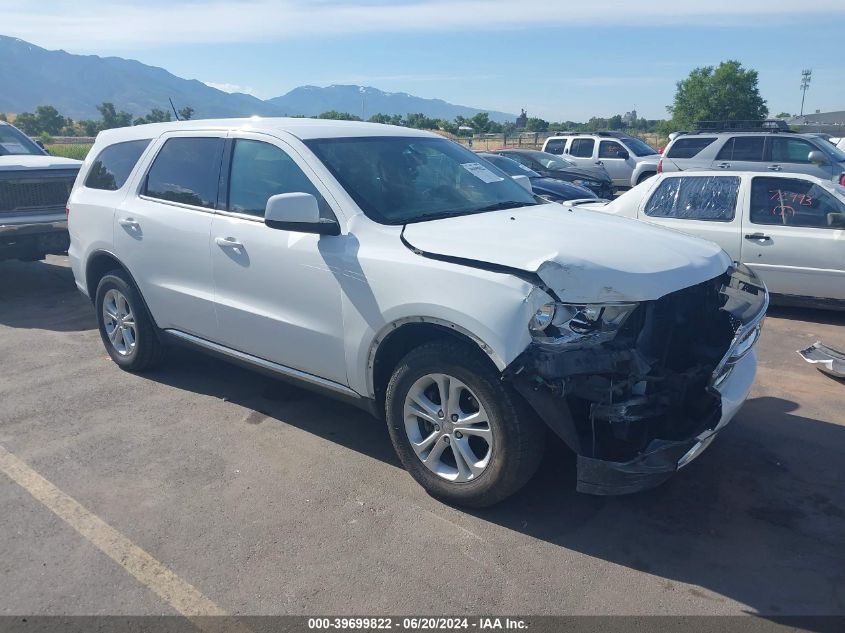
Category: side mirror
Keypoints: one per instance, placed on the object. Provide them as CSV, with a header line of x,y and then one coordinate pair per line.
x,y
297,212
836,220
524,182
817,158
624,154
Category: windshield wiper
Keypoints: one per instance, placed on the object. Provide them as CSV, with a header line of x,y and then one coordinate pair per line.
x,y
500,206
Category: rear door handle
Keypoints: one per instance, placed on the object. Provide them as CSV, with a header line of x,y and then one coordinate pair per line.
x,y
757,237
724,165
129,223
774,168
227,242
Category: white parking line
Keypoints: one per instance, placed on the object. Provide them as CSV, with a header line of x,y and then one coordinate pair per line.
x,y
181,595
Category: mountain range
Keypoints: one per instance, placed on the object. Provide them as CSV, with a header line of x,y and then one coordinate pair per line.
x,y
75,84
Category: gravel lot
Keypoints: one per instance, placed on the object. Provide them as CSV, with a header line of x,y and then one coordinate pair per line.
x,y
270,500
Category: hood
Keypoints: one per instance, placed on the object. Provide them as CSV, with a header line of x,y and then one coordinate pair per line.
x,y
23,161
593,173
560,189
583,256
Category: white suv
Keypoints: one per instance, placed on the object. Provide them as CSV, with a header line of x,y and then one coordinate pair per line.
x,y
628,160
399,271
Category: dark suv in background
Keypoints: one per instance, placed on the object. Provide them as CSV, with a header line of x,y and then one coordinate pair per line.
x,y
34,188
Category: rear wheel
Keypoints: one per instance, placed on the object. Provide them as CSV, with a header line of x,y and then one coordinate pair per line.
x,y
125,325
462,433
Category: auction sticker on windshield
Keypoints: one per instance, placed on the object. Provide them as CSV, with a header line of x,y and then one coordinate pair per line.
x,y
480,171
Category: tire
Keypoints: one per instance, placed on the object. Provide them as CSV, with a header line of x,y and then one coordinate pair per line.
x,y
136,346
645,176
501,466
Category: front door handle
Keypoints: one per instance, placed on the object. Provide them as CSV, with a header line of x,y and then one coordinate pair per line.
x,y
761,237
227,242
774,168
724,165
129,223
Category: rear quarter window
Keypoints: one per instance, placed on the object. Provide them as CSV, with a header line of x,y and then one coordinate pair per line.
x,y
113,165
688,147
555,145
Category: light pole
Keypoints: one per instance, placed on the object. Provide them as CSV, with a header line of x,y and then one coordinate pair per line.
x,y
806,76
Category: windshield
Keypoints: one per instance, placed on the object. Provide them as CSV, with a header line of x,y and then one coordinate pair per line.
x,y
638,147
834,152
14,142
398,180
510,166
549,161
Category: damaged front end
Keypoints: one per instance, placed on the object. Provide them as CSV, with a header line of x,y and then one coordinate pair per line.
x,y
638,390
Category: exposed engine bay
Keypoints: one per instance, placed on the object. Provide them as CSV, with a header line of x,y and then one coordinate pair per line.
x,y
630,387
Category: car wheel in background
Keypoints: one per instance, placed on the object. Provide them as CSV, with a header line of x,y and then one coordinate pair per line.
x,y
467,437
124,323
645,176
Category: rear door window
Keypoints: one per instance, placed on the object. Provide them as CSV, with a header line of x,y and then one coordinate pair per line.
x,y
555,145
582,147
794,202
711,198
689,147
186,170
743,148
114,164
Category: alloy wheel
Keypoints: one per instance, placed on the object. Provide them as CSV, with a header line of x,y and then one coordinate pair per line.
x,y
119,322
448,428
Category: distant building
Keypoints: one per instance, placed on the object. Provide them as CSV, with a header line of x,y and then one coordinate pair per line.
x,y
829,122
521,120
629,118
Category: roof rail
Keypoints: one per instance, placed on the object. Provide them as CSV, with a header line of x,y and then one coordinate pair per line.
x,y
769,125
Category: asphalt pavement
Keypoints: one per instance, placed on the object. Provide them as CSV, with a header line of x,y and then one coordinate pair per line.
x,y
265,499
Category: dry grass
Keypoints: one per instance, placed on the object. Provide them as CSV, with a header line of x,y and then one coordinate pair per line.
x,y
70,150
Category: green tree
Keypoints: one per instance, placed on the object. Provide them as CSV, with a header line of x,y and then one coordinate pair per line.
x,y
338,116
156,115
27,123
480,122
725,93
3,116
186,113
784,115
387,119
420,121
534,124
111,118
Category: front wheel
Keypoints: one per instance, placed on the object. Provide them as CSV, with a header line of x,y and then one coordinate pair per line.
x,y
462,433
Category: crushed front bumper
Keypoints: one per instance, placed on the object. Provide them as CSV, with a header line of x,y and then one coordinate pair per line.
x,y
644,404
662,458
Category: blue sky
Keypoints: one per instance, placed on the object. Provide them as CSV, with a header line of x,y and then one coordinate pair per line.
x,y
557,59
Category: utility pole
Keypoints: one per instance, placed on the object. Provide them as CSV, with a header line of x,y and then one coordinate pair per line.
x,y
806,76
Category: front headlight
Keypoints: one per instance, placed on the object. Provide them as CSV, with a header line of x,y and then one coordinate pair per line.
x,y
567,323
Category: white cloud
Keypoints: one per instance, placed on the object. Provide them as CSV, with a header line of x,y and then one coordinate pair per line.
x,y
83,25
226,87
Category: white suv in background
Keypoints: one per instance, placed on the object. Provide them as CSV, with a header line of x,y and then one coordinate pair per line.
x,y
628,160
394,269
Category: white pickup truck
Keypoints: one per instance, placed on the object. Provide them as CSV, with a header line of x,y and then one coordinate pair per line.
x,y
34,188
